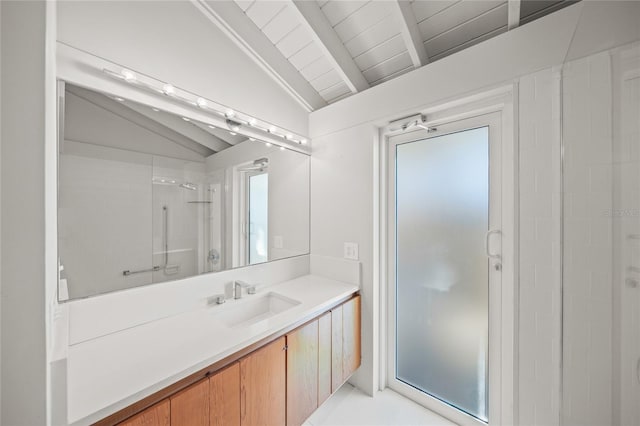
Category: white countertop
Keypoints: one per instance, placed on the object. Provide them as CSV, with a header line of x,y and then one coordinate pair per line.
x,y
109,373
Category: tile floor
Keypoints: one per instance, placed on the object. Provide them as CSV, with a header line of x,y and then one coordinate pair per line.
x,y
350,407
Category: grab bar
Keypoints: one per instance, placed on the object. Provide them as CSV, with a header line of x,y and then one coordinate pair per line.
x,y
128,272
165,234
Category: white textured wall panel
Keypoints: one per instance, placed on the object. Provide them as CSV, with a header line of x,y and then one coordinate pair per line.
x,y
539,314
587,344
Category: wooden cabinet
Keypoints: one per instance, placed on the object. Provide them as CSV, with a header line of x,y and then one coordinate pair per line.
x,y
302,373
224,397
263,386
336,348
324,357
351,345
345,341
190,407
157,415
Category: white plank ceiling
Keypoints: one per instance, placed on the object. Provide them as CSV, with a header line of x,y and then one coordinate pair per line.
x,y
340,47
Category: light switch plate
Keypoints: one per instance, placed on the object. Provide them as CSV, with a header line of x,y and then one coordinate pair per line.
x,y
351,251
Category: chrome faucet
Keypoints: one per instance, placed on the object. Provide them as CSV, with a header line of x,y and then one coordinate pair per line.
x,y
239,285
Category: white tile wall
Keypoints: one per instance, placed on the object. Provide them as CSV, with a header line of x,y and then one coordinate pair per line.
x,y
626,249
587,132
539,313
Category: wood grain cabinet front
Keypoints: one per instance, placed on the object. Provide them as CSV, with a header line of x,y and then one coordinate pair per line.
x,y
324,358
263,386
224,397
336,348
157,415
190,407
302,373
351,344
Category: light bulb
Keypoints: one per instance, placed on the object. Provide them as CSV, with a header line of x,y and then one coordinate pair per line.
x,y
267,143
186,119
303,141
272,129
289,136
232,133
118,99
235,128
128,75
252,122
212,126
252,139
282,148
230,113
168,89
202,103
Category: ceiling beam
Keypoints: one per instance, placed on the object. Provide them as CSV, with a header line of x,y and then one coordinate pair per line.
x,y
513,14
410,33
323,33
232,21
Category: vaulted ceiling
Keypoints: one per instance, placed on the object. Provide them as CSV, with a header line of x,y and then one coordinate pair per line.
x,y
325,50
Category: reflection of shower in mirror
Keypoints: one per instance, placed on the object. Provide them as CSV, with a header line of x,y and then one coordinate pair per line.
x,y
121,162
259,165
158,180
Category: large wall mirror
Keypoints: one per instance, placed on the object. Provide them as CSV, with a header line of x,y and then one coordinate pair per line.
x,y
146,196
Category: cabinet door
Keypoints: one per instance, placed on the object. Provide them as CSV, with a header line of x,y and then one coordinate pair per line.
x,y
224,397
157,415
324,357
190,407
263,386
336,348
350,337
302,373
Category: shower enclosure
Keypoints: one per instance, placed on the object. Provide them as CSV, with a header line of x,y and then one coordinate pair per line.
x,y
130,219
182,220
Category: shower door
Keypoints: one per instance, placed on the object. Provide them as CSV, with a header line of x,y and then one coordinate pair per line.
x,y
445,267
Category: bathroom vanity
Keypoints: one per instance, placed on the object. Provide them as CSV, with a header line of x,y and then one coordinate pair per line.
x,y
280,382
294,344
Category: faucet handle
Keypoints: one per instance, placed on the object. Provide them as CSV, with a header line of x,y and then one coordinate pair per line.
x,y
218,299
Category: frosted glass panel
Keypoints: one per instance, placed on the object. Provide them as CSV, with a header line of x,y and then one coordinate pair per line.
x,y
442,213
258,211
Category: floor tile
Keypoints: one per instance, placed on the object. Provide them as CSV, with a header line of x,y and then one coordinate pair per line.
x,y
351,407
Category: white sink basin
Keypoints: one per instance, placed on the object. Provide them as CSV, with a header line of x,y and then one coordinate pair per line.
x,y
253,308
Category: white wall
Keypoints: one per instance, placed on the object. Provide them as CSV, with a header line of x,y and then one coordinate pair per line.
x,y
342,211
0,212
172,41
588,287
626,218
23,379
540,274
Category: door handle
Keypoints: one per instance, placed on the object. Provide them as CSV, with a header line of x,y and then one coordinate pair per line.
x,y
497,259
